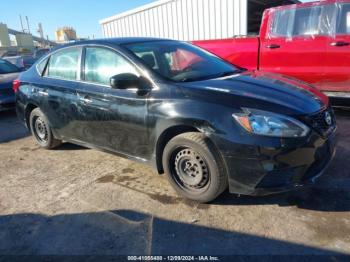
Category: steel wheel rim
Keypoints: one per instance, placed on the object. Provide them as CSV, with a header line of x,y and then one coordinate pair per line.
x,y
40,129
191,171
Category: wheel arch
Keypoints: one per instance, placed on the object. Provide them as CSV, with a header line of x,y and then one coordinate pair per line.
x,y
165,137
29,108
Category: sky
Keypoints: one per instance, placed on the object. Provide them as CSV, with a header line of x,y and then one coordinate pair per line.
x,y
83,15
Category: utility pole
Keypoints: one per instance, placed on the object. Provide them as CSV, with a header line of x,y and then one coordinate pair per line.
x,y
41,33
20,18
28,24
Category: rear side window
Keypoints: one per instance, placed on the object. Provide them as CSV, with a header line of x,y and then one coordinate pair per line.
x,y
343,22
316,20
101,64
65,64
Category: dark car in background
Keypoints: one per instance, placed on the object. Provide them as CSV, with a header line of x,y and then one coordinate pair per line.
x,y
21,61
8,73
40,52
204,122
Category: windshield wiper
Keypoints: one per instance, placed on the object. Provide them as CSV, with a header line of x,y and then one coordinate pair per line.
x,y
223,74
228,73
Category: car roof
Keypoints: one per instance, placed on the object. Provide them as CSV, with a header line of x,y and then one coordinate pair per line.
x,y
115,41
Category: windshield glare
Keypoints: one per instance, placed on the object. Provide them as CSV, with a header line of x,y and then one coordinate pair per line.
x,y
7,67
180,62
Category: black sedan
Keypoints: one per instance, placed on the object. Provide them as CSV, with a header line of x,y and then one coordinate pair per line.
x,y
8,73
205,123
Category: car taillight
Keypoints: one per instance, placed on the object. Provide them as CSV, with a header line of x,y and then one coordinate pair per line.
x,y
15,85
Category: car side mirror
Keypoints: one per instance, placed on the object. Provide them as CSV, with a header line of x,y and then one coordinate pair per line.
x,y
125,81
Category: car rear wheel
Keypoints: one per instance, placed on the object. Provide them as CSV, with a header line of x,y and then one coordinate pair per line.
x,y
41,130
194,167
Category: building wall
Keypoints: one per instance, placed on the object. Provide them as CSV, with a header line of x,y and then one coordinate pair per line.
x,y
25,40
181,19
65,34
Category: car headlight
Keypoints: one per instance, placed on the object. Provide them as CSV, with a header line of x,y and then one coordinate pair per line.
x,y
270,124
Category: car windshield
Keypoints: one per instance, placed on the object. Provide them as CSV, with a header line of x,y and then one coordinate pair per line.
x,y
7,67
180,62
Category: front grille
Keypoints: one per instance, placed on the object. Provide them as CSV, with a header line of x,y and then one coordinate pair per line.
x,y
319,123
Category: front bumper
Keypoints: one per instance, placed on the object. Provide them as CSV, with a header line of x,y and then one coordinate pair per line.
x,y
309,180
263,170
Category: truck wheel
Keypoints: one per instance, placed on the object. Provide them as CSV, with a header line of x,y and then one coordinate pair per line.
x,y
41,130
194,167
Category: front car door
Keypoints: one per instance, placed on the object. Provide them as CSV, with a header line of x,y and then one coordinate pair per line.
x,y
338,54
113,119
295,44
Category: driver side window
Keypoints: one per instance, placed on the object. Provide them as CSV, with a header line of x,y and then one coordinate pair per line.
x,y
101,64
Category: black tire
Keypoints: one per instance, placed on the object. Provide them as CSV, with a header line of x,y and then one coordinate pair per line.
x,y
194,167
41,131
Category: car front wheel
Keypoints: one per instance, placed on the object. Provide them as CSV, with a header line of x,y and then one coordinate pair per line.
x,y
194,167
41,130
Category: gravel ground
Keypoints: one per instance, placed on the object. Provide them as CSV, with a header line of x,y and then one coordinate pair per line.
x,y
78,201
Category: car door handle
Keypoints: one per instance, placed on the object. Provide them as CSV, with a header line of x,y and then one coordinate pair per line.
x,y
340,43
85,99
273,46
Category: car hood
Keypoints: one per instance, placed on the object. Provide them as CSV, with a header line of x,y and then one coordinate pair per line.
x,y
266,91
6,79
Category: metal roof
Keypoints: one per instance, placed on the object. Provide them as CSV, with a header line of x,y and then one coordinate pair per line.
x,y
162,2
136,10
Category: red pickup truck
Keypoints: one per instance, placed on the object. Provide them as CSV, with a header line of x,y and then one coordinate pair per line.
x,y
309,41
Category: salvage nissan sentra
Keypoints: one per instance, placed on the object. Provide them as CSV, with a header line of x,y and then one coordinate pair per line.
x,y
206,124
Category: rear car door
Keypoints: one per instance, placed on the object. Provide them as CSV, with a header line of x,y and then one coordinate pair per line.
x,y
57,92
114,119
295,44
338,54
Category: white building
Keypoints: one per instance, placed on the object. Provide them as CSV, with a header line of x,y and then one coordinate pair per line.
x,y
190,19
